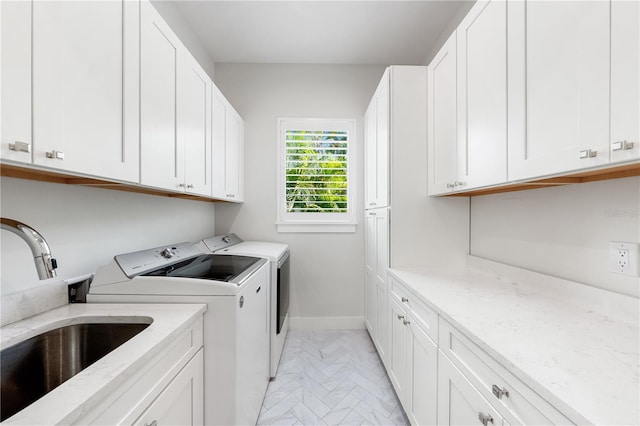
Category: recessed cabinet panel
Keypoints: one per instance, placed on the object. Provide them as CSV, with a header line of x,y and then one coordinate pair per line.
x,y
161,149
625,80
371,305
234,146
397,360
85,87
195,127
15,90
377,135
370,148
558,86
482,95
383,325
442,132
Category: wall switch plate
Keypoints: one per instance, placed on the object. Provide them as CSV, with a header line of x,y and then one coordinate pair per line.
x,y
624,258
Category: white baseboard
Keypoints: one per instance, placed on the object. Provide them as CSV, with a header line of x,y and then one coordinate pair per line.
x,y
326,323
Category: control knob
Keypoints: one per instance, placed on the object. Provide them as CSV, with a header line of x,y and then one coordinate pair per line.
x,y
167,253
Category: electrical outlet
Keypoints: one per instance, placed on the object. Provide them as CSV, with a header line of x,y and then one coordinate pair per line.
x,y
623,258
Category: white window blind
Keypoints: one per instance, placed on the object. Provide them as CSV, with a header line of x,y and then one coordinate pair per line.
x,y
316,175
316,171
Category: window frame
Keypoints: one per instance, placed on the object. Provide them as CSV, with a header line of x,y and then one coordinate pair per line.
x,y
314,221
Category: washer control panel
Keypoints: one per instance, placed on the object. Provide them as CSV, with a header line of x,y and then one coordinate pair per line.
x,y
139,262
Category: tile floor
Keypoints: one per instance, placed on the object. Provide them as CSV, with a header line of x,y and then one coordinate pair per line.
x,y
331,377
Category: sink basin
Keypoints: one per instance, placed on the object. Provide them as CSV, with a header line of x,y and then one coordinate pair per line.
x,y
34,367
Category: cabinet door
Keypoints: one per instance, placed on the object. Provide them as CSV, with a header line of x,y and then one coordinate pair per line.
x,y
161,150
625,80
442,133
423,377
371,305
86,86
397,359
558,59
182,401
15,90
383,324
370,148
382,246
377,135
459,403
482,95
371,241
195,126
234,155
382,142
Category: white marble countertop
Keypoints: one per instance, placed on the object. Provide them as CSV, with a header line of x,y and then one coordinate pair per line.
x,y
81,393
576,346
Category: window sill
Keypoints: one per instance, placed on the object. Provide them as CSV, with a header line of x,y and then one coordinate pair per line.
x,y
317,227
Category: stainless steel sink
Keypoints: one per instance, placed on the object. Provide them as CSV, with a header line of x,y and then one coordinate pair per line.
x,y
36,366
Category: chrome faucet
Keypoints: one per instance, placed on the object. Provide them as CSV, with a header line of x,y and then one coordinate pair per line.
x,y
45,264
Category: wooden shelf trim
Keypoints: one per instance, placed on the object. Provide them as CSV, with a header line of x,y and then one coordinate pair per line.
x,y
8,170
615,172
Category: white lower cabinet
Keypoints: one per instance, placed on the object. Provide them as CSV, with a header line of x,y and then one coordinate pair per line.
x,y
441,377
168,389
459,403
182,401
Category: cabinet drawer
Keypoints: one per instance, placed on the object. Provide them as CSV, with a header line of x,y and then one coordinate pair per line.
x,y
424,316
521,405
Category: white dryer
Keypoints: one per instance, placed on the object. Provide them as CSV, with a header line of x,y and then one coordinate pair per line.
x,y
278,255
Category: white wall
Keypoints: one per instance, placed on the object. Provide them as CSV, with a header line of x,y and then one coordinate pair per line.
x,y
327,270
181,27
563,231
86,227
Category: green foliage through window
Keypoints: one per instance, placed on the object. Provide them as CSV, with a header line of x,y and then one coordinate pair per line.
x,y
316,171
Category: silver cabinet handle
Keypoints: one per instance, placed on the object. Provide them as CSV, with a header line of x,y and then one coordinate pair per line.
x,y
190,186
499,392
153,423
404,299
400,317
621,145
405,322
56,155
588,153
450,185
181,185
373,204
459,183
20,146
372,214
485,419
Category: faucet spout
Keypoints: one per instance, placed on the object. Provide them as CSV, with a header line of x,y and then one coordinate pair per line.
x,y
45,264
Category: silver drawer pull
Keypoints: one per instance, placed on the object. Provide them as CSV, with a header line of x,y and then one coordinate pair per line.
x,y
485,419
404,299
405,322
588,153
621,145
56,155
499,392
20,146
373,204
400,317
153,423
372,214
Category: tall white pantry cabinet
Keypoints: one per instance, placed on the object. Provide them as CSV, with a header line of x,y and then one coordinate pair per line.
x,y
396,215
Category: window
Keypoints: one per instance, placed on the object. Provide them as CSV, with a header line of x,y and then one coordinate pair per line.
x,y
315,186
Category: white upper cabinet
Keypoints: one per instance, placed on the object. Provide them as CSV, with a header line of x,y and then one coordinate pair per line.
x,y
161,149
15,90
377,146
442,117
625,80
228,150
85,87
175,107
559,58
482,96
195,126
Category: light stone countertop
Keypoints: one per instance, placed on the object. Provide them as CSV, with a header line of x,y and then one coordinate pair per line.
x,y
576,346
87,389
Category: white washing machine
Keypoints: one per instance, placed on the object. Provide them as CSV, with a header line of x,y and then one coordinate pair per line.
x,y
236,335
278,255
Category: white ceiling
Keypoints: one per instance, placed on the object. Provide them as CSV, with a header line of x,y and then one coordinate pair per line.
x,y
320,32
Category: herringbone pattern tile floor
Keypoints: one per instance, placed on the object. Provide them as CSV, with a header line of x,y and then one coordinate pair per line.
x,y
331,377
